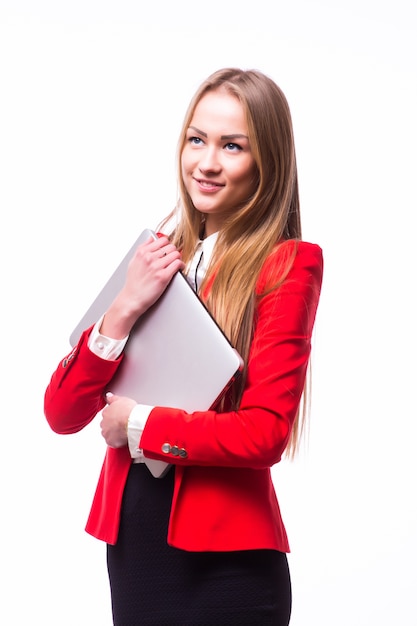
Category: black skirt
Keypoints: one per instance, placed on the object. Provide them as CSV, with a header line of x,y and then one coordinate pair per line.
x,y
154,584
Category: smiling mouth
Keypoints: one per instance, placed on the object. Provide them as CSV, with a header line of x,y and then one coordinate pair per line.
x,y
208,184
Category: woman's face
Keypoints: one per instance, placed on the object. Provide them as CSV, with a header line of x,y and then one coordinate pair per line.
x,y
217,164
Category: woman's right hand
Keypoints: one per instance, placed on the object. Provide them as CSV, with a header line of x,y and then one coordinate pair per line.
x,y
149,272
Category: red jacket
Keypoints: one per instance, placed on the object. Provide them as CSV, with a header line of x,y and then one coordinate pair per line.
x,y
224,498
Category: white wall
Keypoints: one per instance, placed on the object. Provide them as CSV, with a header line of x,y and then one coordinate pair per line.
x,y
92,96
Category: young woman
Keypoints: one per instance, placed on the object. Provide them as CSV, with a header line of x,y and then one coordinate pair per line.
x,y
206,544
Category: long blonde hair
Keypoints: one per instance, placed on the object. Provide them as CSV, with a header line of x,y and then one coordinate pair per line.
x,y
269,217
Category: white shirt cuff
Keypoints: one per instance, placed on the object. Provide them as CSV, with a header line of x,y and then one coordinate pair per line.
x,y
135,425
105,347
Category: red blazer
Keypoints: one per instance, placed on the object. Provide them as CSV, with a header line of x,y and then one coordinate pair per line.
x,y
224,498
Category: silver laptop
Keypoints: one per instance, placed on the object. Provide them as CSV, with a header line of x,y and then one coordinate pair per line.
x,y
176,355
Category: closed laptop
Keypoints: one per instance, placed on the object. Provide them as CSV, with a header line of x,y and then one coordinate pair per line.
x,y
176,355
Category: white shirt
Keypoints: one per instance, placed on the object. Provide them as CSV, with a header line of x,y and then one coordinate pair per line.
x,y
110,349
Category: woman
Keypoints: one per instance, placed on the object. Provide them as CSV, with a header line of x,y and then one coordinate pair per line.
x,y
206,544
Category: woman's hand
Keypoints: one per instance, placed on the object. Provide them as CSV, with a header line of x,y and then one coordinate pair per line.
x,y
114,420
149,272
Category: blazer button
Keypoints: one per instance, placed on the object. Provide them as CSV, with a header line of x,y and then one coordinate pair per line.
x,y
183,453
175,451
166,448
69,357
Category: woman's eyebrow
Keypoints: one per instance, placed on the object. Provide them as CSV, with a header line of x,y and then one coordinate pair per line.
x,y
223,137
234,136
200,132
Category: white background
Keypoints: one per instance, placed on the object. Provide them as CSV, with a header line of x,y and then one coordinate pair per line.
x,y
92,96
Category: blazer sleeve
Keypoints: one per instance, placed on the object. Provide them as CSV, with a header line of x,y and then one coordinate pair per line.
x,y
76,390
255,435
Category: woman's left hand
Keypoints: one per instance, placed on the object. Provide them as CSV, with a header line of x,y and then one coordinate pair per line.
x,y
114,420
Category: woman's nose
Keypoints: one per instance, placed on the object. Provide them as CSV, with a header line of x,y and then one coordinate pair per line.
x,y
209,161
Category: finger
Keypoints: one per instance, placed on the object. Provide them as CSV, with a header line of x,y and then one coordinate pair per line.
x,y
163,247
164,250
156,244
170,251
110,397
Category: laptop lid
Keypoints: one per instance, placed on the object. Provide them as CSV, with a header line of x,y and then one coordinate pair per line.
x,y
176,355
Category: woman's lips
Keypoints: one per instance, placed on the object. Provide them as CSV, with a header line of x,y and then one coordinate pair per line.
x,y
208,185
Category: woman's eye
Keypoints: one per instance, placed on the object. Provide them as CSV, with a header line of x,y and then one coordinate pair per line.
x,y
233,147
196,141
